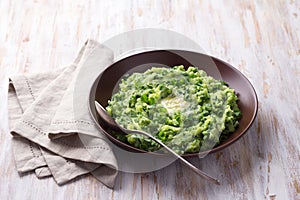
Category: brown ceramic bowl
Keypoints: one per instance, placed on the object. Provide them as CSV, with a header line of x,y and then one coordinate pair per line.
x,y
104,85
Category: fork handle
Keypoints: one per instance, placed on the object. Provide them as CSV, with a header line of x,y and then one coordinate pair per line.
x,y
183,161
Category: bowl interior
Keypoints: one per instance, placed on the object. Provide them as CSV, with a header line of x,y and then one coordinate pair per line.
x,y
103,87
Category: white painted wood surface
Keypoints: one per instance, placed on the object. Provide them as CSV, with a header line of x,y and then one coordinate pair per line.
x,y
260,38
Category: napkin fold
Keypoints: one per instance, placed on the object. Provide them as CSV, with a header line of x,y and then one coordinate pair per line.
x,y
53,131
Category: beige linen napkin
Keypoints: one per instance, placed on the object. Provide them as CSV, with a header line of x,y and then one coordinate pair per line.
x,y
53,132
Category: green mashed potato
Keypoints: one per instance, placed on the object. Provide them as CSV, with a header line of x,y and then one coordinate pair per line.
x,y
186,109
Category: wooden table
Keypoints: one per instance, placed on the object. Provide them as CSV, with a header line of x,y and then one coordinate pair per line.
x,y
260,38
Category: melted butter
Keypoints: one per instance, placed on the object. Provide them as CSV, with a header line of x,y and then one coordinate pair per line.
x,y
174,104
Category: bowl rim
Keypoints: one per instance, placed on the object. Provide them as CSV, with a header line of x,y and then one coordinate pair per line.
x,y
130,148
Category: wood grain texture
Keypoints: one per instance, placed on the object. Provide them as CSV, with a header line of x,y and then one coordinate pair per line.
x,y
260,38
